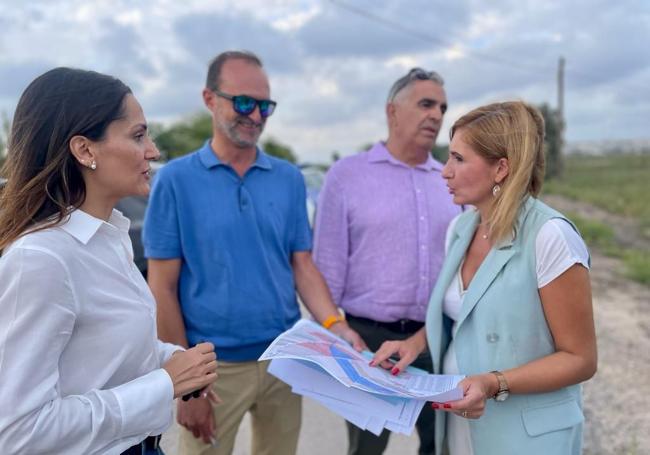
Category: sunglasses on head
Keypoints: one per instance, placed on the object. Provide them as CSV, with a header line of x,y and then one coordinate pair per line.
x,y
245,105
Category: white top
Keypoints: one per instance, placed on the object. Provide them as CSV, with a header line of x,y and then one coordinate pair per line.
x,y
79,355
557,247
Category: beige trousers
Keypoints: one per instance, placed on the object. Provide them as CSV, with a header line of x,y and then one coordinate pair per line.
x,y
275,412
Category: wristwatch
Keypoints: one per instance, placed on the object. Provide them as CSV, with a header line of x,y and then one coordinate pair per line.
x,y
504,392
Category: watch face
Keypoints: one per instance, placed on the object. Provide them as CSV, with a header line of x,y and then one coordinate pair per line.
x,y
502,396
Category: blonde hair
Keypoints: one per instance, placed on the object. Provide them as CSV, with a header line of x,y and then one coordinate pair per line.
x,y
513,130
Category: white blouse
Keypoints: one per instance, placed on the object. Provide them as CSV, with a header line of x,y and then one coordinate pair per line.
x,y
79,354
557,247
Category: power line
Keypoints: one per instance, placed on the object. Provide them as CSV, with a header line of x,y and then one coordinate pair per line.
x,y
528,67
394,25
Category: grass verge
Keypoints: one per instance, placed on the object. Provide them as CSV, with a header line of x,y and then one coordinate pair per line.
x,y
601,236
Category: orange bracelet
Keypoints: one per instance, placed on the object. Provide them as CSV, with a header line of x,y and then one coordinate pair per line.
x,y
331,320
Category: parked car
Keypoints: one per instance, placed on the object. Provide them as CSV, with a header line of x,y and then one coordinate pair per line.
x,y
134,207
314,177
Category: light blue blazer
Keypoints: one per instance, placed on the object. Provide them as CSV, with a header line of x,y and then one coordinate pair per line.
x,y
501,326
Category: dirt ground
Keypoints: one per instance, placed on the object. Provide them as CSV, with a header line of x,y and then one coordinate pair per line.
x,y
617,399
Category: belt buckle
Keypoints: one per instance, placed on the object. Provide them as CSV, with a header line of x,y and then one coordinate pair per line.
x,y
402,323
156,441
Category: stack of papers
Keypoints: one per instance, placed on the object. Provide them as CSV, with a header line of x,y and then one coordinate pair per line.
x,y
319,365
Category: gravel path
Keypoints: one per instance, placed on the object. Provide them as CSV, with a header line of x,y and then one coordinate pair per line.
x,y
322,433
617,399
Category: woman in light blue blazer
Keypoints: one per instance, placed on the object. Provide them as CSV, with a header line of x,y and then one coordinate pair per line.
x,y
512,306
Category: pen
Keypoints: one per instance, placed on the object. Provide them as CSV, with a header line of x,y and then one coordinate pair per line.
x,y
196,393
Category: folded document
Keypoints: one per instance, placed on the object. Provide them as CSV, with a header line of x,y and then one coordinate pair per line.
x,y
319,365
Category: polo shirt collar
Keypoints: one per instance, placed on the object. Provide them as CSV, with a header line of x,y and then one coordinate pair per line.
x,y
209,159
379,153
84,226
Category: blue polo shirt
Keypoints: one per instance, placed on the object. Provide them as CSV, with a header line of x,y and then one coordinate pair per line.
x,y
235,236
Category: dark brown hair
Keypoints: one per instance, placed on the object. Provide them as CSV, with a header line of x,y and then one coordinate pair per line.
x,y
212,80
43,177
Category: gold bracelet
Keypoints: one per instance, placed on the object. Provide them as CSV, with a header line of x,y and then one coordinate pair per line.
x,y
331,320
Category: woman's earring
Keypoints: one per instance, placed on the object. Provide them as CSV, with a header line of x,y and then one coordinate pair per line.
x,y
495,189
93,165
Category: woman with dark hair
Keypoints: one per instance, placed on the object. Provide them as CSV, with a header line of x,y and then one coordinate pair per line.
x,y
512,306
81,368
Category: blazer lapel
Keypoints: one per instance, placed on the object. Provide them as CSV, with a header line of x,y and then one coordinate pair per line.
x,y
458,246
496,260
458,249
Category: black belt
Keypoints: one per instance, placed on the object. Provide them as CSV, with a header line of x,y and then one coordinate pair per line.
x,y
400,326
151,443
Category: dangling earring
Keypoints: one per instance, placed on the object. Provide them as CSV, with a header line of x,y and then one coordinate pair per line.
x,y
496,189
93,165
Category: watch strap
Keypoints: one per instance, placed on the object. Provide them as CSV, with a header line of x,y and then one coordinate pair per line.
x,y
503,384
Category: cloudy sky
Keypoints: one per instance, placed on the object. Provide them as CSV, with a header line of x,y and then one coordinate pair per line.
x,y
331,62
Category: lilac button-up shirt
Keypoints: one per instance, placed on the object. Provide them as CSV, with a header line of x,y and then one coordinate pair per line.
x,y
380,232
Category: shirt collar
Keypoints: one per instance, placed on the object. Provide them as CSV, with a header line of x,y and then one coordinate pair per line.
x,y
84,226
209,159
379,153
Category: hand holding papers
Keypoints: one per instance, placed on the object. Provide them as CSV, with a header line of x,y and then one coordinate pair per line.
x,y
320,365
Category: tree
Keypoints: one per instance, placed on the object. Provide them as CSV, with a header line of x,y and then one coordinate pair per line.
x,y
189,134
552,146
440,153
182,137
5,126
275,148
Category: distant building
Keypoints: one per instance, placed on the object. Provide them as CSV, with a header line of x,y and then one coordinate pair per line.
x,y
609,146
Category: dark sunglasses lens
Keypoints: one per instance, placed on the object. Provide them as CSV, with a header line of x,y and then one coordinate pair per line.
x,y
243,105
266,108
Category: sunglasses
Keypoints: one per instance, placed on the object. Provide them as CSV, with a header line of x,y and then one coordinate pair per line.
x,y
416,74
245,105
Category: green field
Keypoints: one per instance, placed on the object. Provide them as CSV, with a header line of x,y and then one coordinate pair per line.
x,y
620,184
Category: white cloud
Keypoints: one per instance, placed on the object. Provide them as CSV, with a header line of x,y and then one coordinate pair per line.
x,y
455,52
331,67
130,17
295,21
404,62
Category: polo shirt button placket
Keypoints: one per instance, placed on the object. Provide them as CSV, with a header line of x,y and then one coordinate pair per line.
x,y
243,198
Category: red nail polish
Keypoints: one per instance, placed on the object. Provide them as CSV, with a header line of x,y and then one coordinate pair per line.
x,y
435,405
447,406
394,371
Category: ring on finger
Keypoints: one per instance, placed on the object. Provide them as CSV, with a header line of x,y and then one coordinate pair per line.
x,y
464,414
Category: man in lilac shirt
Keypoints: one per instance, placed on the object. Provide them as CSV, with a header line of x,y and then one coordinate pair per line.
x,y
380,230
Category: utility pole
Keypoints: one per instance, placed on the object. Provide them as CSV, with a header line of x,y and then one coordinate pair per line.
x,y
560,118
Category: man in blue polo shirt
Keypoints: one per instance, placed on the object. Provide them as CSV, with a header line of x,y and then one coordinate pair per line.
x,y
228,242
